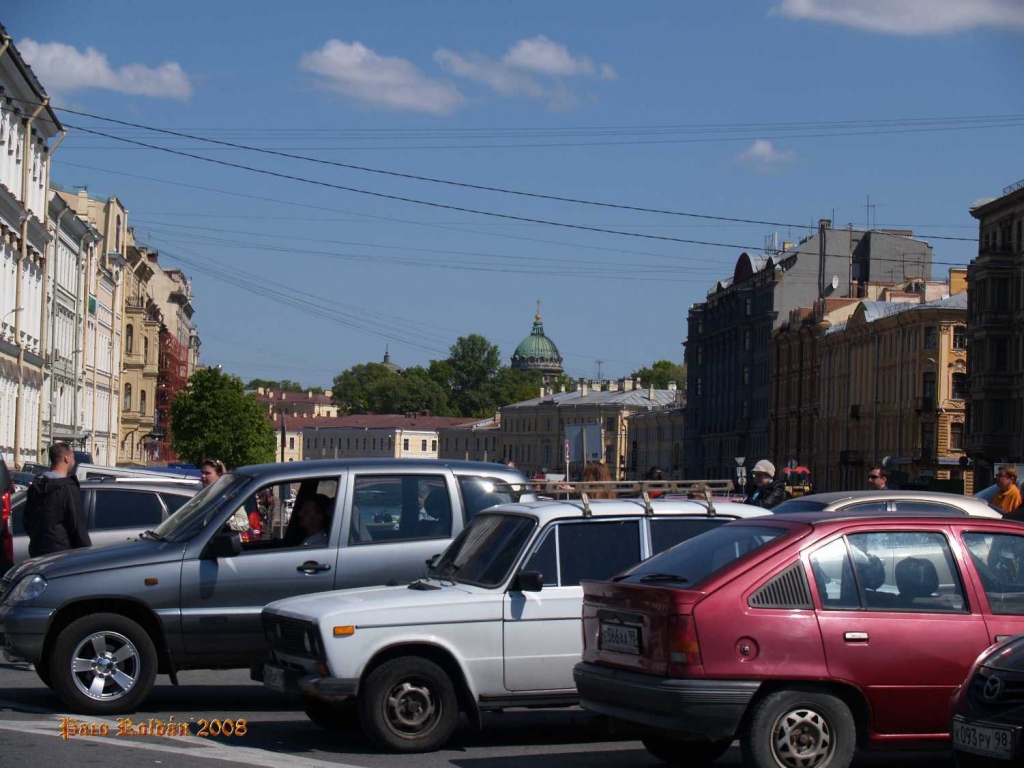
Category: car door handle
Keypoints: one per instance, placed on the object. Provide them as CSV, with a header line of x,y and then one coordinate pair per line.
x,y
856,637
311,566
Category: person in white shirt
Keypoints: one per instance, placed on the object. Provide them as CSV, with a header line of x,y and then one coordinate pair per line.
x,y
313,520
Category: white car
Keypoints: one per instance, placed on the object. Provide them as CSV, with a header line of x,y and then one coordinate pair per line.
x,y
494,624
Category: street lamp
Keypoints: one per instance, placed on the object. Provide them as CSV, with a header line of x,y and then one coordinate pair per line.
x,y
14,311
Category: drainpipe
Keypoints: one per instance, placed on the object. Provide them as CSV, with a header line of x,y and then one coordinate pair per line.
x,y
53,324
878,362
22,259
899,394
111,429
846,409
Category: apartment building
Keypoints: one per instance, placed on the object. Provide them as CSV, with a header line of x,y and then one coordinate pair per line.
x,y
476,441
396,436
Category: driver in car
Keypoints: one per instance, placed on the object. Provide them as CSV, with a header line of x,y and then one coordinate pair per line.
x,y
314,515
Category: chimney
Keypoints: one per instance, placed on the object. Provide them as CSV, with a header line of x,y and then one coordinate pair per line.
x,y
595,384
671,386
786,245
543,391
561,387
627,385
328,393
309,394
650,392
583,387
613,386
260,391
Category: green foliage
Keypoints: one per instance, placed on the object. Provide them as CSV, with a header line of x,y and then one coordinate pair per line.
x,y
470,382
661,373
215,418
286,385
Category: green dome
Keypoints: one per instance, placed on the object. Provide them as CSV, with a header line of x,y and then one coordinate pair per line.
x,y
537,350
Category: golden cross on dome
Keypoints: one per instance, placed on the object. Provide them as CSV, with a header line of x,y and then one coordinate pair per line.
x,y
537,316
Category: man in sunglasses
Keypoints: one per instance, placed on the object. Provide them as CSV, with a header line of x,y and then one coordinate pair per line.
x,y
878,479
1008,497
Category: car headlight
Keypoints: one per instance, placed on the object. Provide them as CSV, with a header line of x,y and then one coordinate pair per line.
x,y
26,589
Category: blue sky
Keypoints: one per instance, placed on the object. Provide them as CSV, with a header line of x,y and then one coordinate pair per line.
x,y
663,104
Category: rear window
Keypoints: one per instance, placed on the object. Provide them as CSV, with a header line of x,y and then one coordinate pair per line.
x,y
174,501
480,493
126,509
667,532
695,560
798,505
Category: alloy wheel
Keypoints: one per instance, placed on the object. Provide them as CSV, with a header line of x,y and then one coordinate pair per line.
x,y
802,738
105,666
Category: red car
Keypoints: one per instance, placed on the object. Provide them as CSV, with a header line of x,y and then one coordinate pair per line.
x,y
805,636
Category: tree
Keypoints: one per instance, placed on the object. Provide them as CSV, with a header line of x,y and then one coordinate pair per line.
x,y
356,390
661,373
513,386
215,418
411,392
286,385
473,363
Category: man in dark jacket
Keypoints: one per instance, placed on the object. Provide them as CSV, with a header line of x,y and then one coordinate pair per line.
x,y
54,519
768,492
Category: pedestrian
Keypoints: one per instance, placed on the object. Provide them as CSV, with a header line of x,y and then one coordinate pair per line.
x,y
768,492
878,479
1008,497
210,471
54,518
597,471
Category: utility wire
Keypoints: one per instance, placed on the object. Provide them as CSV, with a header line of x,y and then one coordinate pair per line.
x,y
416,177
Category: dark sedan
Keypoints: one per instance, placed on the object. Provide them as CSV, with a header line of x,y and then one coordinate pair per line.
x,y
987,711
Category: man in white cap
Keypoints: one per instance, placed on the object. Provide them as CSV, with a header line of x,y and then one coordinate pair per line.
x,y
768,492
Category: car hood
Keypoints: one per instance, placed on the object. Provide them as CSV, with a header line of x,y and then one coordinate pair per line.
x,y
124,555
1007,657
393,606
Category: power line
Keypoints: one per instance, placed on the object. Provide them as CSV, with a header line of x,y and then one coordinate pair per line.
x,y
416,177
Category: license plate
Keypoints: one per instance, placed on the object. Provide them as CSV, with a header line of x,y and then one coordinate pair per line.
x,y
273,677
984,739
620,639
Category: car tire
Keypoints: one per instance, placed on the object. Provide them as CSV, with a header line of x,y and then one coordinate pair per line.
x,y
682,752
408,705
103,664
42,669
332,717
799,728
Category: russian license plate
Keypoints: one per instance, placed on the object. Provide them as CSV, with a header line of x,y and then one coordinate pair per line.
x,y
984,739
620,639
273,677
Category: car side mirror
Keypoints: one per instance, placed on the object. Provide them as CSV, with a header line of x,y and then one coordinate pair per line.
x,y
433,561
223,544
530,581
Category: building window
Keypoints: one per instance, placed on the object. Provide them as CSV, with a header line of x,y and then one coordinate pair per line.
x,y
927,440
931,337
127,405
314,443
1000,354
433,446
332,443
291,443
745,411
145,349
142,402
364,443
700,386
348,443
746,339
405,444
956,436
129,339
447,443
928,385
959,337
307,443
423,446
959,388
745,378
748,306
375,443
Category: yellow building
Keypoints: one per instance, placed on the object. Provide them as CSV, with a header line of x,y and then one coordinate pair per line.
x,y
395,436
533,432
305,405
893,380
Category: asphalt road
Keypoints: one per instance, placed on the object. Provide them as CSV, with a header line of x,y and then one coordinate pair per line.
x,y
278,735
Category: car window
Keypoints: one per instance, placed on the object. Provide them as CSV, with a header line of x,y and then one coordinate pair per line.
x,y
480,493
868,507
999,560
666,532
485,551
798,505
389,508
911,506
833,576
287,515
173,501
18,514
126,509
545,558
596,550
907,571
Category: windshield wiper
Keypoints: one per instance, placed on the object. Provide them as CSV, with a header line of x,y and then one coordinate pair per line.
x,y
664,577
422,585
151,535
448,571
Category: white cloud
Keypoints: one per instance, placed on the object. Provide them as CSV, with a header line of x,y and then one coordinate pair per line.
x,y
909,17
536,68
379,81
62,68
763,155
546,57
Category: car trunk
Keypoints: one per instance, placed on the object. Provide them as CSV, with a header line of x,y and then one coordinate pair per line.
x,y
641,628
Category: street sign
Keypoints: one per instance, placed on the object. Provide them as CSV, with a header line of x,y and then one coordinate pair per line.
x,y
740,460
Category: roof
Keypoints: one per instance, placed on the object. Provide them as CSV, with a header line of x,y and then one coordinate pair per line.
x,y
977,507
546,510
636,398
388,421
307,469
876,310
273,395
537,348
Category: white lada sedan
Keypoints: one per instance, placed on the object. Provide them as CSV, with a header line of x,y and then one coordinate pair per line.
x,y
494,624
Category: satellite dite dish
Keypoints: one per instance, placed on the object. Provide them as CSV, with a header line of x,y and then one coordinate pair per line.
x,y
835,282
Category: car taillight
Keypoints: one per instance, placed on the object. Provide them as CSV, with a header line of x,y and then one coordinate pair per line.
x,y
683,647
6,535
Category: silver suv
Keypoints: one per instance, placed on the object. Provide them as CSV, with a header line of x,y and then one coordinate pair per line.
x,y
99,624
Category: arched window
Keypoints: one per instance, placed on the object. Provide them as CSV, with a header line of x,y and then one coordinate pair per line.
x,y
127,404
145,349
117,235
129,339
142,402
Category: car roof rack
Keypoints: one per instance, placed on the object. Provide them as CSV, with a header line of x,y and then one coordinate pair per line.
x,y
704,490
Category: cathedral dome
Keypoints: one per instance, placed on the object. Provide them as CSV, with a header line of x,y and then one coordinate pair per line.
x,y
537,351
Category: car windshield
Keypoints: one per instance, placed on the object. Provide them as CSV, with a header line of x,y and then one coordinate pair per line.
x,y
195,514
798,505
696,559
486,550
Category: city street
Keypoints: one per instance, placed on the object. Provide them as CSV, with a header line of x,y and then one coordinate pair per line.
x,y
279,735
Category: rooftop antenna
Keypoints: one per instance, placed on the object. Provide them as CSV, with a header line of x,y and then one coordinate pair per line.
x,y
599,364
